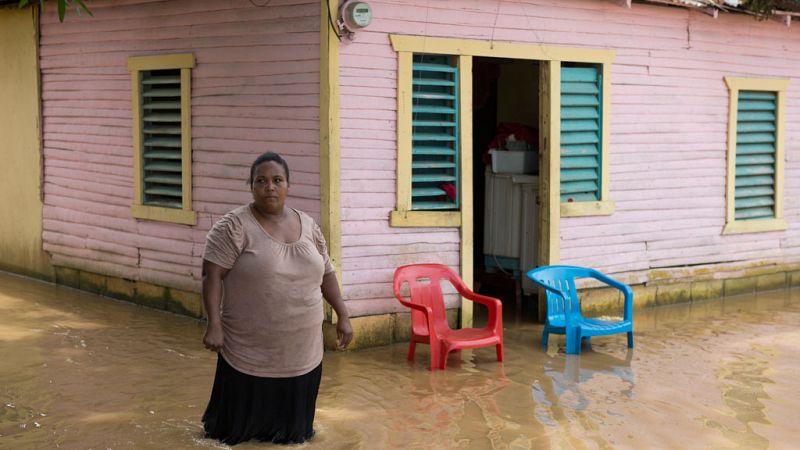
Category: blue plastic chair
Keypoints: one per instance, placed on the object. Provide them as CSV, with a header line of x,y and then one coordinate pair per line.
x,y
564,307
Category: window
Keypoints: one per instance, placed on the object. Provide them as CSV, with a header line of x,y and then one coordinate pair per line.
x,y
162,137
434,136
430,166
584,140
755,155
581,133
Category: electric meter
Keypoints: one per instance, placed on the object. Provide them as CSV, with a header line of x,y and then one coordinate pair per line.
x,y
356,15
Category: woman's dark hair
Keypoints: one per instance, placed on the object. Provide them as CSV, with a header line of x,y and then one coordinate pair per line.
x,y
268,156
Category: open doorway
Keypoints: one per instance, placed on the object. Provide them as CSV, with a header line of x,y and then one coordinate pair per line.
x,y
506,120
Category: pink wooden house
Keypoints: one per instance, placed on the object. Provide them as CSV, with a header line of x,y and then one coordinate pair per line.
x,y
655,143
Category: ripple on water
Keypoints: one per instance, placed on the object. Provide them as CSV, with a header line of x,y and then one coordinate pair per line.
x,y
96,373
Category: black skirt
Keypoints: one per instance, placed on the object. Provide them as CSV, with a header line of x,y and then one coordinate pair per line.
x,y
245,407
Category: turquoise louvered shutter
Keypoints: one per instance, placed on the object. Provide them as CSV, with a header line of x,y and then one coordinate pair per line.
x,y
755,155
434,161
161,138
581,133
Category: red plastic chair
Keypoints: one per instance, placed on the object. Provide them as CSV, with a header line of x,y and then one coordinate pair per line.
x,y
429,319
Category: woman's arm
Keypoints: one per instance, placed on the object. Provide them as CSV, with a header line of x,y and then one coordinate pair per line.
x,y
212,298
331,292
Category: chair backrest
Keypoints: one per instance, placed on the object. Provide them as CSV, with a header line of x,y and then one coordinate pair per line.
x,y
425,288
562,279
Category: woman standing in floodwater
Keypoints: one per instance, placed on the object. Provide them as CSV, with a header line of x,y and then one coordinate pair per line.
x,y
272,264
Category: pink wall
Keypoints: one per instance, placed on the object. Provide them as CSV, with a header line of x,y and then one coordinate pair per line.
x,y
668,133
255,87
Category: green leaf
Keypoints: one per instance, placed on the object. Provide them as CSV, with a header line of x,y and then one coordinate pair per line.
x,y
83,6
62,6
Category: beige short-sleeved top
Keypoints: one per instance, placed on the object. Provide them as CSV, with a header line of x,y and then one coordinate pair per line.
x,y
272,302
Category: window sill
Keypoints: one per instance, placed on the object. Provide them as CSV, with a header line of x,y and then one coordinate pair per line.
x,y
754,226
160,214
580,209
436,219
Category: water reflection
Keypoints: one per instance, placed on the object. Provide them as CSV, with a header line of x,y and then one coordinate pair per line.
x,y
79,371
567,377
743,377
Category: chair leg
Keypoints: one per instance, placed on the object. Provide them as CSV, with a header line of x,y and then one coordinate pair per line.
x,y
545,336
443,353
443,363
435,355
573,336
499,348
630,339
411,348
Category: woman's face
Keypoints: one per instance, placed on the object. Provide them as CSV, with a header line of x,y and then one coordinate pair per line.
x,y
269,187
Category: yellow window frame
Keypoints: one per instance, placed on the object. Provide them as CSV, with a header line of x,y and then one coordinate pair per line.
x,y
779,87
136,65
604,206
403,216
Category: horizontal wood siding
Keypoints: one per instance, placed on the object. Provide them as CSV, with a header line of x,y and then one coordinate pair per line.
x,y
669,112
668,141
255,88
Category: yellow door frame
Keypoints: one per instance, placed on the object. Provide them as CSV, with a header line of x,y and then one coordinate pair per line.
x,y
550,126
329,149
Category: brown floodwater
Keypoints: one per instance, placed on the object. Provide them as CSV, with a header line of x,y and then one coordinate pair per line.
x,y
85,372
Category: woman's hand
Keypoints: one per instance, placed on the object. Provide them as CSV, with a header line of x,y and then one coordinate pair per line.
x,y
330,290
344,332
213,338
212,298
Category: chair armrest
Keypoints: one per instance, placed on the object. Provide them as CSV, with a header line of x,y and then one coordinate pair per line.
x,y
554,291
494,305
624,288
428,312
482,299
471,295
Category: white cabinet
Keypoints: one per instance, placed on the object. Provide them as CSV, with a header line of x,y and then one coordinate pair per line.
x,y
510,224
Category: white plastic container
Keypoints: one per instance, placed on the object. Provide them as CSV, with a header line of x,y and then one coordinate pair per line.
x,y
506,161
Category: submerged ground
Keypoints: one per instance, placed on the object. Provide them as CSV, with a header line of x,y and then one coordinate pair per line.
x,y
81,371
